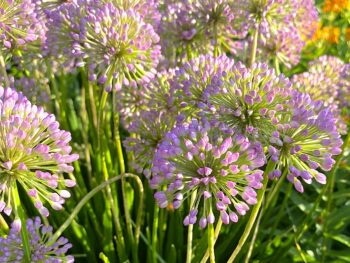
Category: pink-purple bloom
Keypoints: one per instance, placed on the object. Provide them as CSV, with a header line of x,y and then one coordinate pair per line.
x,y
34,153
39,235
216,169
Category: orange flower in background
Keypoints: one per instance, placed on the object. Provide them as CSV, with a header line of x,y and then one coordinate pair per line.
x,y
328,33
336,6
347,34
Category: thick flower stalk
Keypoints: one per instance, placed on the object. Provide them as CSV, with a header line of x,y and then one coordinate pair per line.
x,y
250,100
148,130
218,168
11,247
306,141
19,25
34,153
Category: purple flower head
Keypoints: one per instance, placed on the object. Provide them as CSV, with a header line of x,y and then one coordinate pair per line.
x,y
306,140
34,153
118,48
343,96
250,100
218,168
197,79
216,18
11,247
271,16
153,95
181,34
284,45
321,82
150,128
19,25
148,9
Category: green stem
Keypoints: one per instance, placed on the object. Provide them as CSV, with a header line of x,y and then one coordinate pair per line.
x,y
122,171
155,233
253,47
211,243
255,234
216,235
3,70
190,232
81,204
20,212
253,214
330,196
3,224
276,65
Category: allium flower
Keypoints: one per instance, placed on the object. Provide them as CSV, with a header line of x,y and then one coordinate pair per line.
x,y
34,153
321,82
272,15
219,169
343,96
148,9
217,20
285,46
197,79
149,129
306,140
250,100
11,247
181,35
19,24
153,95
118,48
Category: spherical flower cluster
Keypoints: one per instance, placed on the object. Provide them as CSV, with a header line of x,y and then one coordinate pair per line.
x,y
11,247
148,9
216,18
34,153
118,48
197,79
321,82
343,96
154,94
285,46
250,100
19,24
268,16
216,169
181,35
149,129
305,141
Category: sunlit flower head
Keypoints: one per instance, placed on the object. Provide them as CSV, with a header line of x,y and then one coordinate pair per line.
x,y
155,94
196,80
305,142
118,48
12,250
336,6
216,18
147,132
285,46
20,25
250,100
217,169
34,153
181,34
